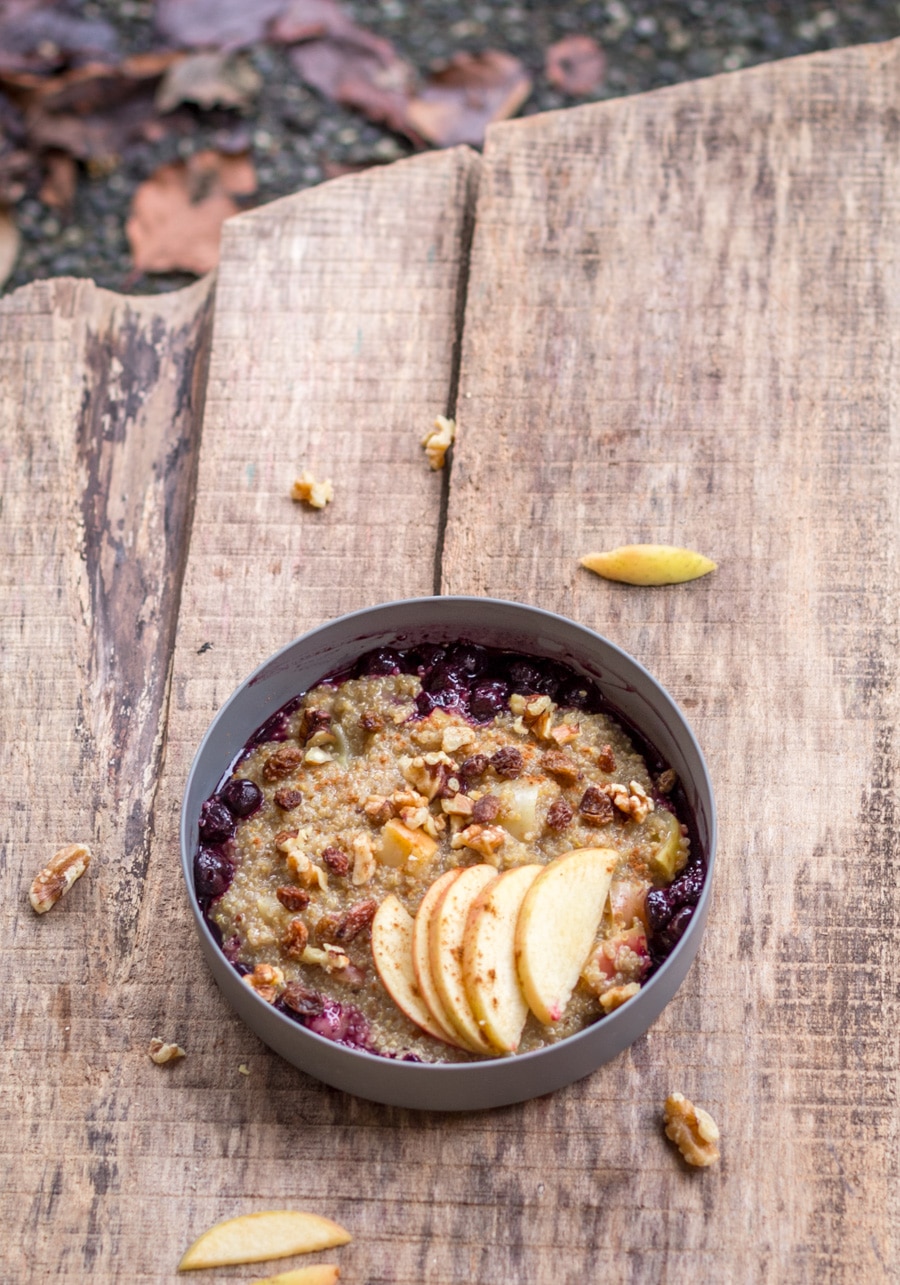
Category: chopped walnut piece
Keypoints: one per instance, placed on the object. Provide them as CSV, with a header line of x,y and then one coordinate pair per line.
x,y
454,738
292,898
633,800
616,996
308,491
313,721
295,939
538,716
438,441
460,805
486,839
560,766
363,860
666,781
378,809
606,760
596,806
266,980
507,762
317,756
430,774
287,799
283,762
565,733
693,1130
58,875
338,862
161,1052
328,957
486,809
559,814
414,818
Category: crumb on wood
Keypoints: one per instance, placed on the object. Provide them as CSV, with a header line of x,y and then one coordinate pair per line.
x,y
243,1069
306,490
438,441
162,1052
58,875
693,1130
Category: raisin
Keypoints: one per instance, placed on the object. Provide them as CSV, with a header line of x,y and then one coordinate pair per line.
x,y
301,1000
357,918
292,898
287,799
606,760
336,861
559,814
283,762
295,940
486,809
312,721
371,722
559,765
507,762
474,766
595,806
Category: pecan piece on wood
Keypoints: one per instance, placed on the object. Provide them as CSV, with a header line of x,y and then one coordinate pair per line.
x,y
58,875
292,898
286,799
595,806
336,861
606,760
507,762
302,1000
559,814
486,809
559,765
283,762
295,939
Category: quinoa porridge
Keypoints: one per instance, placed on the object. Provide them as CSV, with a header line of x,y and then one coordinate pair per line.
x,y
378,781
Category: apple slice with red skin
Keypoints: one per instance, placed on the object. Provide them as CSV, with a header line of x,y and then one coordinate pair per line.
x,y
392,951
421,954
445,934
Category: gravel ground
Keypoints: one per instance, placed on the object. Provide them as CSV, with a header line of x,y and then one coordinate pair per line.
x,y
295,136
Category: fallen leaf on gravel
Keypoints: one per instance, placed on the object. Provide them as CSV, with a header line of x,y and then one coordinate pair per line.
x,y
576,65
309,19
9,244
37,37
210,80
461,99
361,71
215,24
176,216
60,181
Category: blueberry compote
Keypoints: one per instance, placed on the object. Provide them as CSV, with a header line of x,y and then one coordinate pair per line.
x,y
465,754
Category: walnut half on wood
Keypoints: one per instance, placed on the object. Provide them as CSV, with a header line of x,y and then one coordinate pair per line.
x,y
58,875
693,1130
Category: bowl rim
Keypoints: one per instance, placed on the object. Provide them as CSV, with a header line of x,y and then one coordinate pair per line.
x,y
433,1070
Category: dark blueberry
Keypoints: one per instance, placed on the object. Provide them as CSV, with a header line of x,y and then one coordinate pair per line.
x,y
444,676
425,703
576,694
659,908
674,931
425,657
468,659
241,797
277,728
216,822
212,874
527,677
488,699
383,660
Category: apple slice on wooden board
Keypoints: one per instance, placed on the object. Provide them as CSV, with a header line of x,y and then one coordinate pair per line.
x,y
315,1274
489,960
445,935
252,1238
557,925
392,951
421,954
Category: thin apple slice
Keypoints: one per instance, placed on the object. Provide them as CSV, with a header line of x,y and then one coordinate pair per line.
x,y
315,1274
251,1238
422,958
445,939
557,925
489,960
392,951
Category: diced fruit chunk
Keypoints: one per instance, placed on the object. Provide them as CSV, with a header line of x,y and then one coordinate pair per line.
x,y
251,1238
518,808
489,962
668,857
315,1274
401,845
392,951
446,930
557,926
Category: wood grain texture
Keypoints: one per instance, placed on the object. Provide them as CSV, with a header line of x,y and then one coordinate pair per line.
x,y
681,321
99,423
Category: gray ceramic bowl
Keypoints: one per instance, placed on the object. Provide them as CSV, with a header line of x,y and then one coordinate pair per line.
x,y
298,666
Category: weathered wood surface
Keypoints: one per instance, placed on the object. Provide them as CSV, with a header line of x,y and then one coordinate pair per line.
x,y
679,311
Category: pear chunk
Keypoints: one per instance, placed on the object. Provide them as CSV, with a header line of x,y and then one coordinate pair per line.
x,y
392,951
649,564
445,938
557,925
421,954
489,962
315,1274
251,1238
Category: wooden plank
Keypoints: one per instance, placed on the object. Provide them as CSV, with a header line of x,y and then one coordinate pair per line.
x,y
680,328
99,419
334,347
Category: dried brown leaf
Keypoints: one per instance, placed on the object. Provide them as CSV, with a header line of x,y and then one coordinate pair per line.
x,y
177,214
9,244
213,79
472,91
361,71
215,24
311,19
576,65
60,181
36,36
